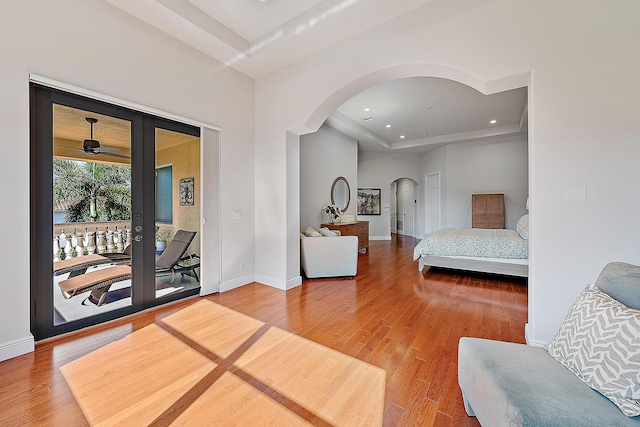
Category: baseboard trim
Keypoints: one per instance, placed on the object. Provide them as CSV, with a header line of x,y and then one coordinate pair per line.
x,y
16,348
236,283
530,341
271,281
284,285
292,283
379,237
536,343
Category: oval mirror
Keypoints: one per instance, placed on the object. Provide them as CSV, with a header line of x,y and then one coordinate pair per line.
x,y
340,193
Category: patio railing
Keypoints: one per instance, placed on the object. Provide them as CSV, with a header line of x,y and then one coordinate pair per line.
x,y
79,239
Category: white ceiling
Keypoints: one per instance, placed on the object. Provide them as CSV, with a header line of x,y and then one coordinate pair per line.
x,y
254,19
429,112
258,37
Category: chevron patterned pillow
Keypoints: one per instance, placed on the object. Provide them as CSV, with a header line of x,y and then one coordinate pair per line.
x,y
599,341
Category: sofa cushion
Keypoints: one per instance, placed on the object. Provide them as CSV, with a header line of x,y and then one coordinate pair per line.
x,y
508,384
522,227
326,232
311,232
599,342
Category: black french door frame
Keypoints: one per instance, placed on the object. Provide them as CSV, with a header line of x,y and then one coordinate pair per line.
x,y
143,281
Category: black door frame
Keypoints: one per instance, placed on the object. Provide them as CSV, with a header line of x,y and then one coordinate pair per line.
x,y
41,206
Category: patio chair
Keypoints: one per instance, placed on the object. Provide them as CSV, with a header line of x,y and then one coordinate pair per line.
x,y
174,260
79,265
98,282
120,257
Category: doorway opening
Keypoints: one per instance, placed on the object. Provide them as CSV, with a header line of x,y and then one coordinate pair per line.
x,y
403,206
94,193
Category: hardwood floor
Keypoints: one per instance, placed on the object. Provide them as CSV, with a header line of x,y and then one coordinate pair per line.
x,y
390,317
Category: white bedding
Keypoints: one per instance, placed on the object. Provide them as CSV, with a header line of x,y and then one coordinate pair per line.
x,y
473,242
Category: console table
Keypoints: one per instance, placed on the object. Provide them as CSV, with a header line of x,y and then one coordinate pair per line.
x,y
358,228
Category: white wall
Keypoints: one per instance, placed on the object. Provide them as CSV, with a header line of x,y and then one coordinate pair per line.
x,y
93,45
379,170
324,156
491,166
583,126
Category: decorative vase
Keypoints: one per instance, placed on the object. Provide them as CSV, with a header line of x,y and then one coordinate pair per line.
x,y
332,220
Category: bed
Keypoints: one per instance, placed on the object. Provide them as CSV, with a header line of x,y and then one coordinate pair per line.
x,y
496,251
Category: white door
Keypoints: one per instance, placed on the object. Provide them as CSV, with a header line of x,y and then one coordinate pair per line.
x,y
432,202
393,210
408,198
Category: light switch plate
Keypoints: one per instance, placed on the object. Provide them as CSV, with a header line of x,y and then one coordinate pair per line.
x,y
237,214
575,194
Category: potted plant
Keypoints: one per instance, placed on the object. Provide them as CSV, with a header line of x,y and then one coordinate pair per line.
x,y
333,211
162,235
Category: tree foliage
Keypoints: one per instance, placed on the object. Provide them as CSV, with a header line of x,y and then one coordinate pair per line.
x,y
95,191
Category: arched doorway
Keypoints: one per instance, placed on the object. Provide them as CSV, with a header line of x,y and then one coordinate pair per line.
x,y
403,206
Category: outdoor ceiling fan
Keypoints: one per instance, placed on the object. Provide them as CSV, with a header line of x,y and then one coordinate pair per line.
x,y
92,146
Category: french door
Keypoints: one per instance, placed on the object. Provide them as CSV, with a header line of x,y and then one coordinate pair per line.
x,y
100,211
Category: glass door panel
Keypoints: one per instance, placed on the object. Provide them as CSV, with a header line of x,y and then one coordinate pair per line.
x,y
92,185
177,210
96,196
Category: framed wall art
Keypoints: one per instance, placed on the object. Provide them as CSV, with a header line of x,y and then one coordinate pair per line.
x,y
186,192
368,201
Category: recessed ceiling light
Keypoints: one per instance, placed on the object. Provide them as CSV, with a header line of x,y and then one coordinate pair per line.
x,y
424,134
493,121
388,126
367,109
401,136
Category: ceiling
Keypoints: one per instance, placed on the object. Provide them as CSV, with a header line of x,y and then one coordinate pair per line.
x,y
70,129
418,114
258,37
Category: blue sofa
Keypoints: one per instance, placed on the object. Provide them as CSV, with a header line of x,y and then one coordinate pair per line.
x,y
508,384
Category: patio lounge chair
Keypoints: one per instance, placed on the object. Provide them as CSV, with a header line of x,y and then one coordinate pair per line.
x,y
97,281
120,257
174,260
79,265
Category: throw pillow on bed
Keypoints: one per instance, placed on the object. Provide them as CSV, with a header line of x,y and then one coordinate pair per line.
x,y
522,227
599,342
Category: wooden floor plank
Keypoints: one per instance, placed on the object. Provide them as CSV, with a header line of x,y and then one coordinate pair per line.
x,y
390,316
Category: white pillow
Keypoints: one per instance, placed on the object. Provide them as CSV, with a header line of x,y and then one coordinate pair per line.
x,y
311,232
599,342
522,227
326,232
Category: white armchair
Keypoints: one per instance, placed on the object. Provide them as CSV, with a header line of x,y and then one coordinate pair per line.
x,y
329,256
